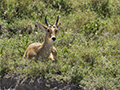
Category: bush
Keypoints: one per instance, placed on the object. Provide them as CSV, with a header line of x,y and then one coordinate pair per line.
x,y
60,5
92,28
13,9
101,7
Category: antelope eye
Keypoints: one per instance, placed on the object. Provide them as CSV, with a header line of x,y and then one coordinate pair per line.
x,y
48,30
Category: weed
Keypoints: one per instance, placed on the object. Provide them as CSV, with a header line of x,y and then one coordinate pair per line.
x,y
88,42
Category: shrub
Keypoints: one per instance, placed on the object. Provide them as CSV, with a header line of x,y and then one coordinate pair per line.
x,y
62,5
92,28
101,7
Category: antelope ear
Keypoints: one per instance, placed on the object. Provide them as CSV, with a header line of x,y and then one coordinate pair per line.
x,y
58,24
41,26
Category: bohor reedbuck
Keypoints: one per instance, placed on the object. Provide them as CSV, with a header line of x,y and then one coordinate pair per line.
x,y
44,50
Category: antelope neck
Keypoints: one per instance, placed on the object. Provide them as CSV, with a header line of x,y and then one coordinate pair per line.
x,y
47,45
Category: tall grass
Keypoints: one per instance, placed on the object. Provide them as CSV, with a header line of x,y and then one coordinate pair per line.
x,y
88,42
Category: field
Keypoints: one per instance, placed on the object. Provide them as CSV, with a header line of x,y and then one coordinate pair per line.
x,y
88,42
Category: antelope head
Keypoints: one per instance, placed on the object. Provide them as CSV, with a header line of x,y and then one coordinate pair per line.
x,y
50,31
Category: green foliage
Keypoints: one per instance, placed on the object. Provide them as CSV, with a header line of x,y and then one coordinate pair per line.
x,y
13,9
88,46
101,7
92,28
62,5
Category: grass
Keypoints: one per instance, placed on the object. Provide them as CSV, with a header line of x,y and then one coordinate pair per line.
x,y
88,42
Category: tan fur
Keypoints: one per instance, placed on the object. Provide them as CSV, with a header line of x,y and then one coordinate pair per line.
x,y
46,50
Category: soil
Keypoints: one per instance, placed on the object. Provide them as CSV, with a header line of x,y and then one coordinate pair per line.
x,y
17,82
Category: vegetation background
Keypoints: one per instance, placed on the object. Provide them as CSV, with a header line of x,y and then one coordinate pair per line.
x,y
88,42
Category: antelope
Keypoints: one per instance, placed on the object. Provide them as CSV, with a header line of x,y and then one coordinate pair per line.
x,y
46,50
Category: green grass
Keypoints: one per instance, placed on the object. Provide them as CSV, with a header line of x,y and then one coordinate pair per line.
x,y
88,42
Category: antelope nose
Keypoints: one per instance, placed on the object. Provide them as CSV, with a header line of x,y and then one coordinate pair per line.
x,y
53,38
